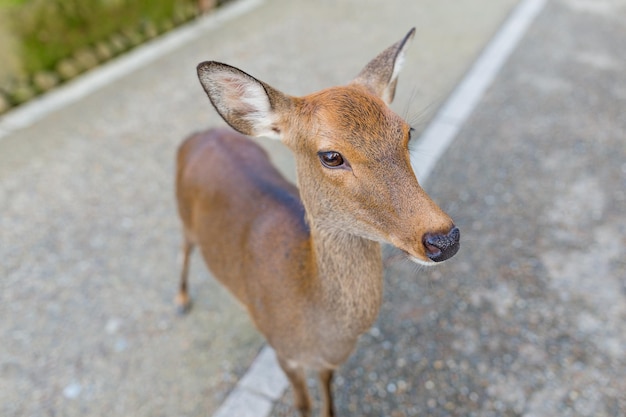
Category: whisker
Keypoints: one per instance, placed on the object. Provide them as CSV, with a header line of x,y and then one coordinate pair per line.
x,y
409,103
421,117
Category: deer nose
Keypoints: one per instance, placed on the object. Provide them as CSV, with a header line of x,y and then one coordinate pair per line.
x,y
440,247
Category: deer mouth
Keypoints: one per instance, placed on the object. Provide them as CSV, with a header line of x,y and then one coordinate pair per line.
x,y
421,261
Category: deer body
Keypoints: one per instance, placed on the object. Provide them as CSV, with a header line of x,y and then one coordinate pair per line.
x,y
266,211
306,262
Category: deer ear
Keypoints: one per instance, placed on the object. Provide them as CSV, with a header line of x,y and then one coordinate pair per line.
x,y
380,76
248,105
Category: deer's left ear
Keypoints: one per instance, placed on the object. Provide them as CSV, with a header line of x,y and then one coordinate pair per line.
x,y
248,105
380,76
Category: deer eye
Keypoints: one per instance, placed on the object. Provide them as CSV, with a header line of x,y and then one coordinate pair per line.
x,y
331,159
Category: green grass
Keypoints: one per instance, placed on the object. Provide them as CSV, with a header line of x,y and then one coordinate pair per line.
x,y
50,30
4,3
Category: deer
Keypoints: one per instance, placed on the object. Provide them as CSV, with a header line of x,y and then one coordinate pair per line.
x,y
305,261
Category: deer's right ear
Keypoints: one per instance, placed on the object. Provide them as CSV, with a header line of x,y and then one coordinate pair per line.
x,y
380,75
248,105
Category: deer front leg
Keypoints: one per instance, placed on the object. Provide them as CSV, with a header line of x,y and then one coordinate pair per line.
x,y
326,378
297,377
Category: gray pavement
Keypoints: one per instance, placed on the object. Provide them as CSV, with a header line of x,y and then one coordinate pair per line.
x,y
527,320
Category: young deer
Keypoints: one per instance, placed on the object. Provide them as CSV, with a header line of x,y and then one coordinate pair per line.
x,y
306,263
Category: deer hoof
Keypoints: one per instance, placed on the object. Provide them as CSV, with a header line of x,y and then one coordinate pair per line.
x,y
183,304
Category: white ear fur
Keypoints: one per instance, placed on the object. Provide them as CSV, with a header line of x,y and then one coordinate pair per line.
x,y
399,63
241,100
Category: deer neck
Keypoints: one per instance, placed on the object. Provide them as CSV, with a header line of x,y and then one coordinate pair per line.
x,y
349,278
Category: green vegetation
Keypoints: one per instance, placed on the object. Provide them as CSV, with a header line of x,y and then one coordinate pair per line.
x,y
4,3
50,30
44,43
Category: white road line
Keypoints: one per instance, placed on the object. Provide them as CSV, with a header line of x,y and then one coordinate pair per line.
x,y
256,399
442,130
139,57
256,392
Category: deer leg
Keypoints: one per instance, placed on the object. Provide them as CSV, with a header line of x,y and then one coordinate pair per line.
x,y
183,301
297,377
326,377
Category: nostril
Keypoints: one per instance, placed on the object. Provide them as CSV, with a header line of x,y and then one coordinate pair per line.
x,y
431,249
440,247
434,243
